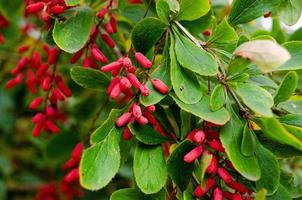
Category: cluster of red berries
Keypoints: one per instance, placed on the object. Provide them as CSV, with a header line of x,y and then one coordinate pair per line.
x,y
44,76
69,185
48,8
3,24
219,168
124,84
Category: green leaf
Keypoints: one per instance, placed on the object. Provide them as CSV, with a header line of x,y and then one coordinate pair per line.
x,y
108,126
199,25
281,193
280,150
194,58
101,162
202,109
146,134
272,128
292,64
204,164
217,99
294,48
224,37
256,98
174,5
297,4
230,136
289,183
135,194
248,143
266,54
292,106
292,119
72,2
270,171
163,11
185,127
286,88
72,34
190,10
243,11
288,13
260,195
180,171
149,167
146,34
89,78
185,83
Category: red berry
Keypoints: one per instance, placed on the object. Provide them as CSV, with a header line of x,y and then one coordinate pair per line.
x,y
134,80
112,66
193,154
36,102
144,90
107,39
199,137
72,176
34,7
151,108
116,91
113,82
224,175
113,23
200,192
108,28
76,56
136,111
127,135
57,9
216,145
124,119
98,54
23,48
160,86
102,13
217,194
142,120
125,83
143,61
212,168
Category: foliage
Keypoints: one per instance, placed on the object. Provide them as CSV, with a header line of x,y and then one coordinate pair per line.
x,y
145,99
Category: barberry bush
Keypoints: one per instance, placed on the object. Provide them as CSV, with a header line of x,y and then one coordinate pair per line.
x,y
150,99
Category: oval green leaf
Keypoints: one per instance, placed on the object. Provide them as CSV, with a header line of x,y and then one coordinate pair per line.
x,y
146,34
190,10
230,136
202,109
185,83
101,162
146,134
217,99
286,88
270,171
89,78
149,167
256,98
194,58
248,143
180,171
72,34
